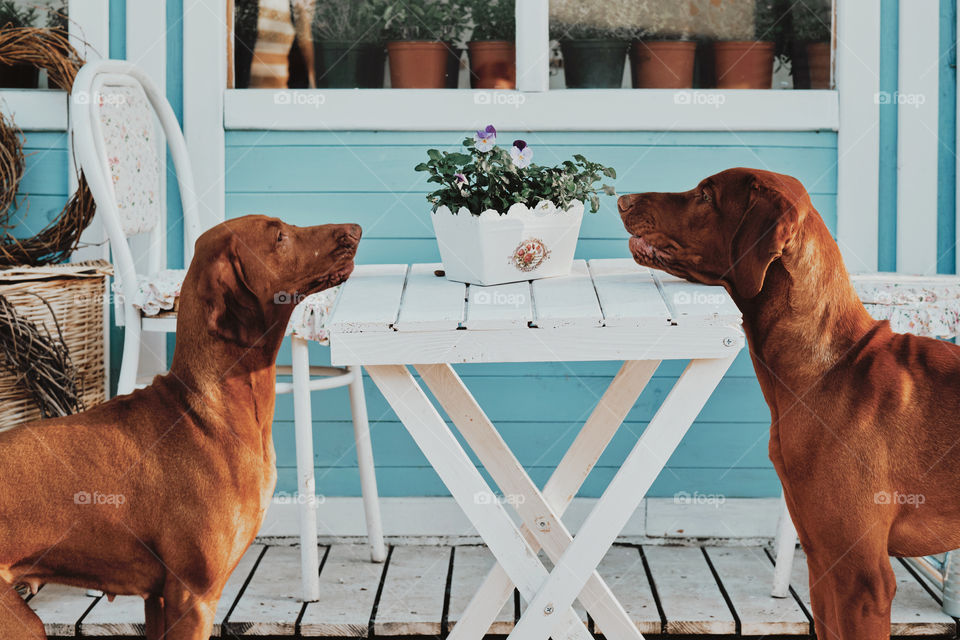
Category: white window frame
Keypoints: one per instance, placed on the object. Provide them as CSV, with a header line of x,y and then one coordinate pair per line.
x,y
852,110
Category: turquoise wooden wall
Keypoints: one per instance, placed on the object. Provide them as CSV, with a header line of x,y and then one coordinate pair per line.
x,y
366,177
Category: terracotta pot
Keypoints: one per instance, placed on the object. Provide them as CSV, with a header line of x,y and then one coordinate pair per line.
x,y
743,64
418,64
493,64
663,64
818,57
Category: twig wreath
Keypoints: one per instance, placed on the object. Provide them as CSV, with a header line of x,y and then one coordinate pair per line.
x,y
47,49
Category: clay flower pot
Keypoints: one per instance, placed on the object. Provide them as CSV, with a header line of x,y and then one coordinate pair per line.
x,y
743,64
594,64
663,64
818,58
418,64
348,65
493,64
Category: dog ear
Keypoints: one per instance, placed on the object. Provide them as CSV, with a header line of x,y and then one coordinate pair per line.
x,y
770,221
234,311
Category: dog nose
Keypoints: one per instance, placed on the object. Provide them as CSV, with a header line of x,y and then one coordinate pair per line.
x,y
354,231
624,203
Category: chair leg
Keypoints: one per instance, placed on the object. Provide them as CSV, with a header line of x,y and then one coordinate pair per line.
x,y
306,478
368,478
130,362
785,545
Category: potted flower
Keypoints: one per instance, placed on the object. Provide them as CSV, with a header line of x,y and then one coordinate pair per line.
x,y
499,217
347,44
493,54
748,64
811,30
593,56
18,76
420,47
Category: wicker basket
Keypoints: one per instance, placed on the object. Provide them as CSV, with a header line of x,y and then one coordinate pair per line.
x,y
75,293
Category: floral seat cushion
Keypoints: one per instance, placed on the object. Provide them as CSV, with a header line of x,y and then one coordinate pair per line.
x,y
922,305
158,293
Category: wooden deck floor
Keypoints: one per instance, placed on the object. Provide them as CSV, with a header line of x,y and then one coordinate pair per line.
x,y
422,590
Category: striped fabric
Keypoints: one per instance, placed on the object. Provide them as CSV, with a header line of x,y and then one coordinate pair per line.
x,y
278,22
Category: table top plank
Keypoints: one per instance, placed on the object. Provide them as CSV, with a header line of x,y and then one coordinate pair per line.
x,y
747,574
570,301
411,603
502,306
470,567
692,602
628,294
690,302
370,299
431,302
348,588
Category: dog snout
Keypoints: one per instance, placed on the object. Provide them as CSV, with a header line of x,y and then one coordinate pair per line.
x,y
626,203
349,235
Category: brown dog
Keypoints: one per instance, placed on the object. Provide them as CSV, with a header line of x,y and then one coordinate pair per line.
x,y
158,493
864,419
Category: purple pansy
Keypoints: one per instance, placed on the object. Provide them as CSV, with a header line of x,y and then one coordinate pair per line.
x,y
460,178
485,138
521,154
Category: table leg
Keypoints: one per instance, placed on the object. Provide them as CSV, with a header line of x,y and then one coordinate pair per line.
x,y
469,489
306,477
622,496
541,520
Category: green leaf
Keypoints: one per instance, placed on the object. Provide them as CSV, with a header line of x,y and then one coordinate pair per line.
x,y
423,166
610,172
434,154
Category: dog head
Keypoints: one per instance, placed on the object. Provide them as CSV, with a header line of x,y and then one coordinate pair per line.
x,y
249,273
727,230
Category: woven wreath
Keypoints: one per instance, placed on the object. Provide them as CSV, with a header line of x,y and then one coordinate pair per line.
x,y
47,49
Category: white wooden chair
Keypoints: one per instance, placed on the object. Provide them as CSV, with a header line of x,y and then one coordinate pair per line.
x,y
923,305
114,108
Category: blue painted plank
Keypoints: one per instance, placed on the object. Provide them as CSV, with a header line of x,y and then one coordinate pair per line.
x,y
45,172
735,445
947,149
889,74
399,215
423,481
390,169
824,139
564,400
35,213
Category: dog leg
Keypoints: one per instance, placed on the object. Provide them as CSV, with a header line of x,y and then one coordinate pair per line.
x,y
188,616
851,594
153,609
17,620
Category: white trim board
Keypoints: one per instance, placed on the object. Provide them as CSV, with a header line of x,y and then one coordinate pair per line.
x,y
689,516
35,109
564,110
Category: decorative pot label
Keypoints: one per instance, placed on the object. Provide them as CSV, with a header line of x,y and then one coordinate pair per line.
x,y
529,254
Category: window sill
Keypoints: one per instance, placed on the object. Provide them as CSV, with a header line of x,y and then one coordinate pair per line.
x,y
564,110
35,109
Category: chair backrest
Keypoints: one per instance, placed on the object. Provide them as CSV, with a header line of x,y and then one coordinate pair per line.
x,y
114,110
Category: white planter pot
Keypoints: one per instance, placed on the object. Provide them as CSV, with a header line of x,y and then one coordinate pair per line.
x,y
523,244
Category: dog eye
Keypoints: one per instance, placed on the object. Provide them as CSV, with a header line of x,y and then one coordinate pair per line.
x,y
706,197
280,237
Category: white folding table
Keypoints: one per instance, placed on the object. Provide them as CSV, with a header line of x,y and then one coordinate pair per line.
x,y
392,316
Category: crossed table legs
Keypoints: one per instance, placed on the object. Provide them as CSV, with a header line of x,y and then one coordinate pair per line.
x,y
549,595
